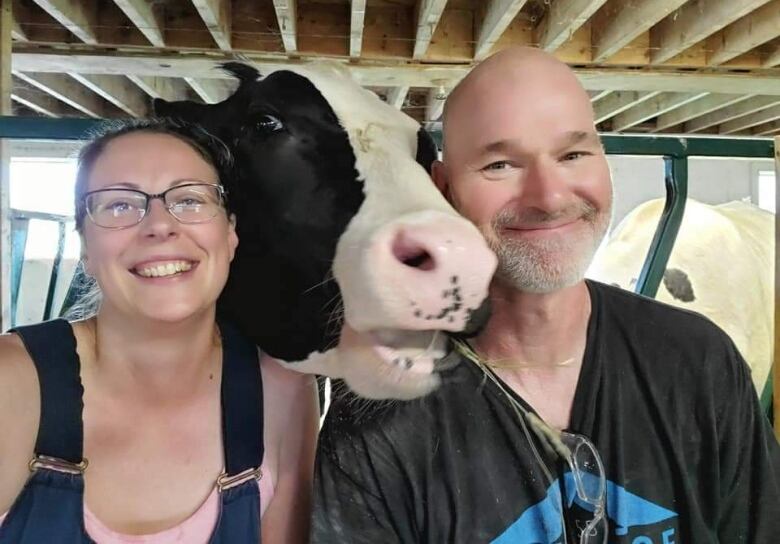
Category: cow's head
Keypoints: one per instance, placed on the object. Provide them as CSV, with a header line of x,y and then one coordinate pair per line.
x,y
350,263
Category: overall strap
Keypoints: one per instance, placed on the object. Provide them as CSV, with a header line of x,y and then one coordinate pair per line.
x,y
242,404
52,347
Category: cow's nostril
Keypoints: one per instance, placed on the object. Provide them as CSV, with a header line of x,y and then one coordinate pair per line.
x,y
412,254
423,261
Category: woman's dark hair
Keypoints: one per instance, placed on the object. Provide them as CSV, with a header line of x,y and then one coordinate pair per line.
x,y
211,149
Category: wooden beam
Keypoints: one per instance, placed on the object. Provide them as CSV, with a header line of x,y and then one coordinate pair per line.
x,y
211,91
621,25
66,90
167,88
749,32
397,96
146,17
773,59
287,15
693,22
598,95
356,24
758,118
776,358
563,19
745,107
38,101
429,14
619,102
434,105
17,32
27,58
499,15
701,107
118,90
6,108
652,108
216,16
77,16
766,129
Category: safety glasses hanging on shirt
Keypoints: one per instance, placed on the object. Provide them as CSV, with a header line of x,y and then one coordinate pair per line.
x,y
589,478
576,450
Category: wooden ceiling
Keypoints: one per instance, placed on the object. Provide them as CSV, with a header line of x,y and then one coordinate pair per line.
x,y
679,66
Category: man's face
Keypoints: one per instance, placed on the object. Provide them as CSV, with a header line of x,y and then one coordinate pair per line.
x,y
525,164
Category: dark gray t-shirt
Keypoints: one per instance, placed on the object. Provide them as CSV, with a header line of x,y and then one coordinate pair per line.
x,y
663,394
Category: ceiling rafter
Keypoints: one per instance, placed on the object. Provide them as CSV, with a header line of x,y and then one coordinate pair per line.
x,y
723,115
693,22
118,90
649,109
562,20
286,15
216,16
618,102
619,26
701,107
356,25
77,16
429,15
67,90
499,15
147,18
396,97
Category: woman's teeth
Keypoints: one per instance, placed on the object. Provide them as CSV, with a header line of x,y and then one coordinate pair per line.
x,y
162,270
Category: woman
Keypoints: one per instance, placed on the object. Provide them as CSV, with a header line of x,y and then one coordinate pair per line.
x,y
177,414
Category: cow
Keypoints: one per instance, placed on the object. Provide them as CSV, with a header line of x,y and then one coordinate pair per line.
x,y
721,266
350,262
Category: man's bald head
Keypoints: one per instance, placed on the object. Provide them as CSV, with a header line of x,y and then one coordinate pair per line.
x,y
523,161
517,73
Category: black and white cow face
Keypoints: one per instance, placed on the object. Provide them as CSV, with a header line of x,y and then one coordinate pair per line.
x,y
350,263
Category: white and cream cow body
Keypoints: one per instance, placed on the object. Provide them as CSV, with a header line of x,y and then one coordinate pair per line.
x,y
721,266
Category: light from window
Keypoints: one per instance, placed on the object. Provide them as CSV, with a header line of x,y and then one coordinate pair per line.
x,y
766,190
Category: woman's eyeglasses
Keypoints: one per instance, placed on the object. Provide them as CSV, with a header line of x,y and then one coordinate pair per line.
x,y
116,208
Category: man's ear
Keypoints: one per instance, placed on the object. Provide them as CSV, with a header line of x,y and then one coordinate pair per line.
x,y
441,179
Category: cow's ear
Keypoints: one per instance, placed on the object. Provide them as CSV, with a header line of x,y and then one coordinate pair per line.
x,y
427,152
241,71
184,110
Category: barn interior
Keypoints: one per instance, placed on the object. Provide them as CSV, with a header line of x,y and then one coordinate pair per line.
x,y
656,70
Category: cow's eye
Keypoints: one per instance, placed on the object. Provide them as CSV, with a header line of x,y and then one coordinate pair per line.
x,y
269,123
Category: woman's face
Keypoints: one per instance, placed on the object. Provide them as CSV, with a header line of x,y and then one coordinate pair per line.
x,y
158,269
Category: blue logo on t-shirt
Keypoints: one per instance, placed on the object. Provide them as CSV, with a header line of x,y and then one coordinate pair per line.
x,y
543,524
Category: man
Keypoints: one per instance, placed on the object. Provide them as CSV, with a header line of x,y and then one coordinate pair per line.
x,y
661,394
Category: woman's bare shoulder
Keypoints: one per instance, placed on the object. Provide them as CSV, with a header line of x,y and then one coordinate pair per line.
x,y
280,380
289,400
19,416
17,372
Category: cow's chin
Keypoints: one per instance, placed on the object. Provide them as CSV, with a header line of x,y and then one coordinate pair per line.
x,y
383,364
391,364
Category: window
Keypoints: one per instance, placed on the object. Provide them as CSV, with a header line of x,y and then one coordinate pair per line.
x,y
766,190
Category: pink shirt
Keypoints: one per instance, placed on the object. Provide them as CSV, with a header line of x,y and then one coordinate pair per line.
x,y
196,529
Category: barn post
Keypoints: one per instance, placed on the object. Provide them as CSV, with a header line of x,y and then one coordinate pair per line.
x,y
6,23
776,361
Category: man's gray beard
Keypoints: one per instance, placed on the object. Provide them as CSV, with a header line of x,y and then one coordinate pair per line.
x,y
544,266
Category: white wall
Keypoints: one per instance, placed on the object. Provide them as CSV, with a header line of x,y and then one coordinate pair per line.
x,y
710,180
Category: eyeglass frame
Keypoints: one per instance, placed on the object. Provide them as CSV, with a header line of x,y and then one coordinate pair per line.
x,y
598,503
221,191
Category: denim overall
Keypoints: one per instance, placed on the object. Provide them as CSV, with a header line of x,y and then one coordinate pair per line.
x,y
50,507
